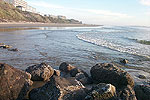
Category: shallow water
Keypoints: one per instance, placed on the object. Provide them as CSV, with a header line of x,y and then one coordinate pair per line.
x,y
82,46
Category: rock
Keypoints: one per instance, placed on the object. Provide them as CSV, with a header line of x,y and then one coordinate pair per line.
x,y
56,72
142,92
75,71
29,75
108,73
102,91
5,46
127,93
64,74
83,79
65,67
14,83
59,88
124,61
40,72
142,76
15,50
80,75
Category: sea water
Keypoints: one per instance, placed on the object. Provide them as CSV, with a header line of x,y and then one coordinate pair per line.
x,y
81,46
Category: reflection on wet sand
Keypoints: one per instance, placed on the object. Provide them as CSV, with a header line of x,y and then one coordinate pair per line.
x,y
15,29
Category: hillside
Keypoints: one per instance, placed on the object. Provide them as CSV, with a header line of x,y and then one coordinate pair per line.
x,y
8,13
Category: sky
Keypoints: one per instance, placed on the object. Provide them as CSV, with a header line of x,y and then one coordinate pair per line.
x,y
101,12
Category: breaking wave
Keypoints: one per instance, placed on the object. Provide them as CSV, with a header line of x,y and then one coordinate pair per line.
x,y
118,47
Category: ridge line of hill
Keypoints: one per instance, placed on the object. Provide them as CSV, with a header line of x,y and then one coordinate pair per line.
x,y
9,13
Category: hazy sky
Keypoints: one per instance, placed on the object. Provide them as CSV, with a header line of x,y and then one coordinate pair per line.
x,y
107,12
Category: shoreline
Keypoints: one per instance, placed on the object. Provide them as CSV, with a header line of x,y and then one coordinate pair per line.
x,y
32,24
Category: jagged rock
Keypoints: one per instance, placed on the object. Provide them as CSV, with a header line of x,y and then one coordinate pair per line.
x,y
127,93
56,72
59,88
65,67
75,71
124,61
14,83
102,91
40,72
108,73
142,92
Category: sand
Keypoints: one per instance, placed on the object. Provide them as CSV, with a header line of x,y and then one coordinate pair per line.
x,y
31,24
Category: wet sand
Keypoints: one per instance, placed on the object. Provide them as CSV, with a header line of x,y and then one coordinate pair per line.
x,y
21,24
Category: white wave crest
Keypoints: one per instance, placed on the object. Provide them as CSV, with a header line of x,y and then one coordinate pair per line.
x,y
110,45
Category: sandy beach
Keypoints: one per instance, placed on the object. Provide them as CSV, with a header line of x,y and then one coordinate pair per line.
x,y
31,24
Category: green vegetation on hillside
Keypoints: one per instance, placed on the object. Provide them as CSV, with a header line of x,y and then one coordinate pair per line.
x,y
8,13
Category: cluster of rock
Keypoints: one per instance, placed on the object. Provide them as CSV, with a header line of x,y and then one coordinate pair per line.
x,y
8,47
107,82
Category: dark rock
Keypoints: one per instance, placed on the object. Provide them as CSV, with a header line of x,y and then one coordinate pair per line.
x,y
124,61
40,72
75,71
56,72
142,76
102,91
65,67
13,49
59,88
108,73
127,93
142,92
14,83
83,79
80,76
64,74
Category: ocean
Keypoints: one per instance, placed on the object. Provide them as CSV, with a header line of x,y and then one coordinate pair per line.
x,y
80,46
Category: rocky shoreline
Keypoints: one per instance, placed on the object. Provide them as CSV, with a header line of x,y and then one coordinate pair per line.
x,y
105,82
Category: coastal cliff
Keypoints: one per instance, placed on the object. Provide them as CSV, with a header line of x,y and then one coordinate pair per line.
x,y
8,13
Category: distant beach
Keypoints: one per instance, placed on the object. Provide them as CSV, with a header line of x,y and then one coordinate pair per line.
x,y
32,24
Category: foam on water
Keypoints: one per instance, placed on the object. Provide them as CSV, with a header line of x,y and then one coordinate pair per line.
x,y
114,46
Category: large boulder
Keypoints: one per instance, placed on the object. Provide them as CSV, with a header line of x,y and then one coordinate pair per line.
x,y
40,72
102,91
142,92
65,67
14,83
127,93
108,73
59,88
